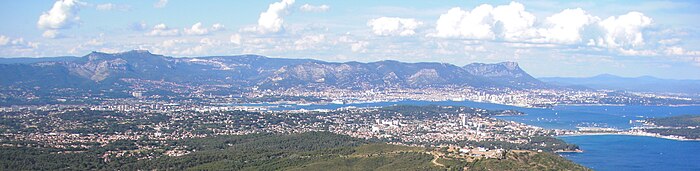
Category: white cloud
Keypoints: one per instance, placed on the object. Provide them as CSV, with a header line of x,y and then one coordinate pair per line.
x,y
510,22
163,30
172,43
312,8
51,34
63,15
105,7
360,46
515,22
565,27
271,20
209,42
160,4
196,29
391,26
475,24
634,52
308,42
17,42
670,41
111,6
4,40
236,39
679,51
624,31
217,27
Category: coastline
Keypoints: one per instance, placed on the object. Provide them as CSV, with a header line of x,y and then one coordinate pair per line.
x,y
569,151
669,105
645,134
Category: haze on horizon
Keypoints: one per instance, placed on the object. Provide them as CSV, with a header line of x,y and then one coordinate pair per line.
x,y
547,38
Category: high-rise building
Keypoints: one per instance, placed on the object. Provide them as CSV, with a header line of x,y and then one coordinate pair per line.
x,y
137,94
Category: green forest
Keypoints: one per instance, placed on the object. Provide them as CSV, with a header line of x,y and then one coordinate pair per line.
x,y
305,151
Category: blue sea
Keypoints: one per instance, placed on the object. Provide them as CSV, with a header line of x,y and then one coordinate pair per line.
x,y
621,152
601,152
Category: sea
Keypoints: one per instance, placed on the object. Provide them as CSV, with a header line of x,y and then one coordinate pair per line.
x,y
601,152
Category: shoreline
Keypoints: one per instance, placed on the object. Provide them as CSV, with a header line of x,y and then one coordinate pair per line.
x,y
676,138
620,105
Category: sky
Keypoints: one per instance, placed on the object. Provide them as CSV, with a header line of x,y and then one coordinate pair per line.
x,y
547,38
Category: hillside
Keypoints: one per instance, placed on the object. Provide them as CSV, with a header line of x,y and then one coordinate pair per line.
x,y
527,160
306,151
687,126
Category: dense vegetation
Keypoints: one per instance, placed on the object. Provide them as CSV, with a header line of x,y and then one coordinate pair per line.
x,y
685,132
551,144
688,126
306,151
526,160
678,121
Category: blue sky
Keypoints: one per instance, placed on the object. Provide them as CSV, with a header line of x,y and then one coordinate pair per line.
x,y
547,38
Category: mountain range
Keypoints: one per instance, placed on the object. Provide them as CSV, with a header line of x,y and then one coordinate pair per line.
x,y
638,84
110,70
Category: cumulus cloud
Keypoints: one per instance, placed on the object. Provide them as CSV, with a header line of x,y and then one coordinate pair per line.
x,y
566,27
160,4
474,24
16,42
196,29
271,20
512,23
163,30
312,8
515,22
63,15
509,22
624,31
391,26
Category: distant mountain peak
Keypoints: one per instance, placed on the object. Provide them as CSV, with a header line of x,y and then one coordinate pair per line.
x,y
132,54
508,72
510,65
497,69
136,51
606,75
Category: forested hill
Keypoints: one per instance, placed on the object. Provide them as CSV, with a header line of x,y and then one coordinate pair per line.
x,y
306,151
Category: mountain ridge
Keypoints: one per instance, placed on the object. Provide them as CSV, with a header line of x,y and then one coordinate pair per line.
x,y
640,84
100,69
